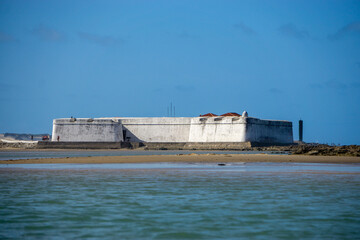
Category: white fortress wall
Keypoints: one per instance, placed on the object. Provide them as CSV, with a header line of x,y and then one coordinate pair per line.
x,y
156,129
87,130
167,130
268,131
217,129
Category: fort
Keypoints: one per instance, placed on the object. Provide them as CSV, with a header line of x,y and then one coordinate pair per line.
x,y
205,129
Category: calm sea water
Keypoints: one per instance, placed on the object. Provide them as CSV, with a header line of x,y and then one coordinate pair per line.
x,y
21,154
180,201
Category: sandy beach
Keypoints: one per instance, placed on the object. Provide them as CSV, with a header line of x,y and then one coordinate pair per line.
x,y
215,158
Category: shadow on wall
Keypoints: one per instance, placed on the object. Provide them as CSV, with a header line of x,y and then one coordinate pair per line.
x,y
128,136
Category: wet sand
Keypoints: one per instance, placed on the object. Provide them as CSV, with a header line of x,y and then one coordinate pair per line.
x,y
206,158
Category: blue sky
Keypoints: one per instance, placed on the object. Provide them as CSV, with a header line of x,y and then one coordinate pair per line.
x,y
276,59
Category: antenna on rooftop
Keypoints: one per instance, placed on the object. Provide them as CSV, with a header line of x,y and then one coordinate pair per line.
x,y
170,110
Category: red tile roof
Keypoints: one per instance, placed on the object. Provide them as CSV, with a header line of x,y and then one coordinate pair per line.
x,y
208,115
231,114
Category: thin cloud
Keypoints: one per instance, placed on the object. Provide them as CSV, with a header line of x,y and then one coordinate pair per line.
x,y
181,34
7,92
178,88
185,35
333,84
275,91
244,28
351,28
355,85
48,34
184,88
158,90
6,37
8,87
336,85
100,40
290,30
316,85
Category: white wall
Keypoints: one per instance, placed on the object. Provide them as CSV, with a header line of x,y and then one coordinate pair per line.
x,y
87,130
156,129
198,129
268,131
217,129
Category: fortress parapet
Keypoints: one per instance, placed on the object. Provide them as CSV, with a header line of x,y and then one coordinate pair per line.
x,y
87,130
203,129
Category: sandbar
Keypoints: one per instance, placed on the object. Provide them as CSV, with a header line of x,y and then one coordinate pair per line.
x,y
186,158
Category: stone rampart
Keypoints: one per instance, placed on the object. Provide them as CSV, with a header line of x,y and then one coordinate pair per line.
x,y
268,131
156,129
219,129
87,130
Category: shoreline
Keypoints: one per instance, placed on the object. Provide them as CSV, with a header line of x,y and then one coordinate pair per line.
x,y
186,158
308,149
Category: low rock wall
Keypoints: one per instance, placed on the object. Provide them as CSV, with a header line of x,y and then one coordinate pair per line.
x,y
199,146
88,145
79,145
148,146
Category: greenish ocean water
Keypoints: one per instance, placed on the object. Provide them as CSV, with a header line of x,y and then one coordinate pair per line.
x,y
180,201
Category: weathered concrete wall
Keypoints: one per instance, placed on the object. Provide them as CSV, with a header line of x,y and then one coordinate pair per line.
x,y
174,130
87,130
268,131
240,129
156,129
217,129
